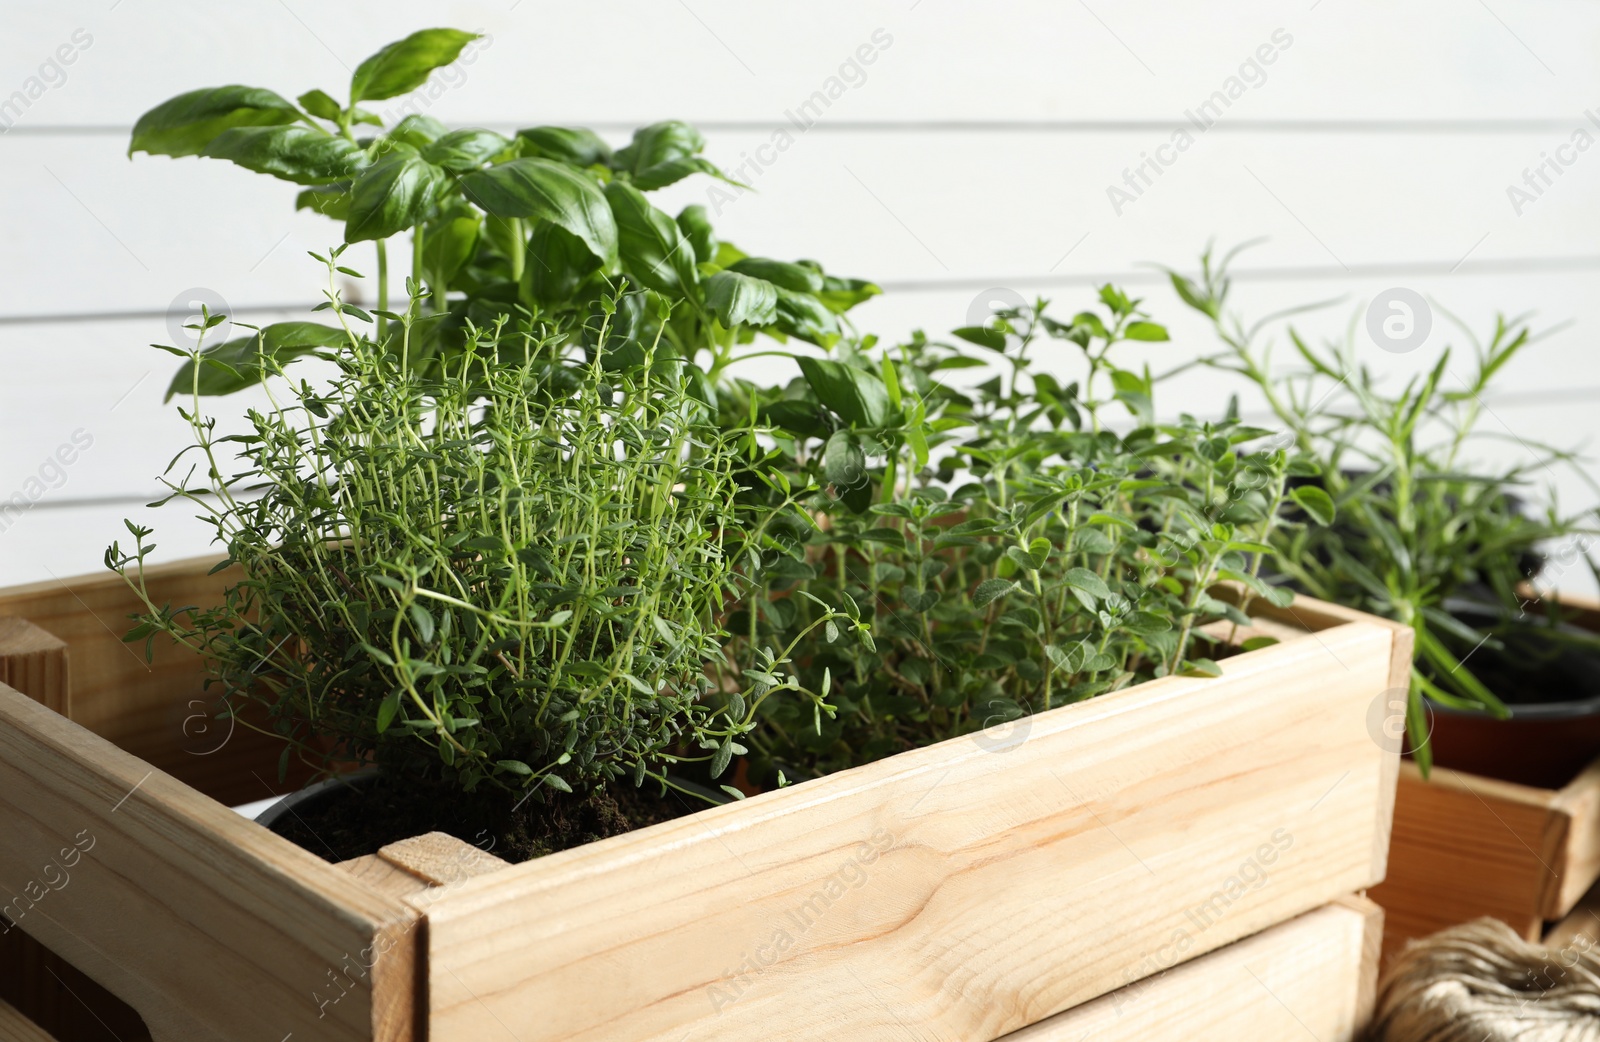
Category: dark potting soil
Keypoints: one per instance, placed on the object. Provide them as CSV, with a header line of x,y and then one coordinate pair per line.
x,y
358,821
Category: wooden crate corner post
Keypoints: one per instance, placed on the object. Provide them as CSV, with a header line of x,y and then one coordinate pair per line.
x,y
34,661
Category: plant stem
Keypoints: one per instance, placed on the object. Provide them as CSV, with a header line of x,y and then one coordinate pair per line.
x,y
383,289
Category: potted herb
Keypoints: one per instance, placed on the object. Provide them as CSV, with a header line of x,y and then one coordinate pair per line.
x,y
1507,682
1503,696
1011,552
550,223
500,579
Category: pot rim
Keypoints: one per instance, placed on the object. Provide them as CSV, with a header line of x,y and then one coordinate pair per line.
x,y
364,776
285,806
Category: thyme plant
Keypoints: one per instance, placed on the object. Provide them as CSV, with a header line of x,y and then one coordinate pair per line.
x,y
1008,549
1423,520
511,572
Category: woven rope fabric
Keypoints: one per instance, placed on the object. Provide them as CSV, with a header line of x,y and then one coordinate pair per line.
x,y
1482,983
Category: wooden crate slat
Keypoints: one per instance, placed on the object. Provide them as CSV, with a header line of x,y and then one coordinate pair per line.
x,y
1466,846
1312,977
207,924
1024,881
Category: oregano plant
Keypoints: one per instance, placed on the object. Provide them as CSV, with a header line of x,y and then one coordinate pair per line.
x,y
1018,546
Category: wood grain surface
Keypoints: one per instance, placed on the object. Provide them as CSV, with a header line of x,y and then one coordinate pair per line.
x,y
208,925
1312,977
967,890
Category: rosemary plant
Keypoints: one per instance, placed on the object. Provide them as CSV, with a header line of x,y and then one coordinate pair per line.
x,y
1008,549
1423,521
511,572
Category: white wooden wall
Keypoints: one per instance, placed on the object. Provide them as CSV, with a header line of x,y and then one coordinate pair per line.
x,y
974,151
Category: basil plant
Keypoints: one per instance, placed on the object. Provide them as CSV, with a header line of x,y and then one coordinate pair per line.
x,y
541,229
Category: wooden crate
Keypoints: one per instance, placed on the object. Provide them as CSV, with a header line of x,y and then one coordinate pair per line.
x,y
968,888
1466,846
1315,976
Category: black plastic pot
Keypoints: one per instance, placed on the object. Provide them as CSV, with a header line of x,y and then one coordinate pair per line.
x,y
347,785
1549,677
319,792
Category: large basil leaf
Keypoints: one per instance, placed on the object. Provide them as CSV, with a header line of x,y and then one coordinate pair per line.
x,y
448,245
329,200
465,150
653,250
794,277
696,226
320,104
506,237
295,152
418,130
741,300
840,295
549,191
804,418
860,398
802,315
663,154
659,143
405,64
844,462
575,145
558,262
393,195
281,342
184,125
673,171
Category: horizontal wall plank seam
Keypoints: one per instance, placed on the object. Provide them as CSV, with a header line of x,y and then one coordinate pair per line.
x,y
987,126
1308,273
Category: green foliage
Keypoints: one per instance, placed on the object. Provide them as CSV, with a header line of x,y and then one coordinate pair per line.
x,y
511,573
536,232
234,365
404,65
999,552
1422,521
186,124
